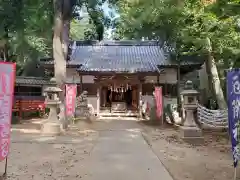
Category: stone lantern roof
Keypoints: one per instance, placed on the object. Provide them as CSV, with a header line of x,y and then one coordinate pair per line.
x,y
52,89
188,89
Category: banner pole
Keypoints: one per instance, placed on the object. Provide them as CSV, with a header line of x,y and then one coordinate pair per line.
x,y
162,110
235,174
5,169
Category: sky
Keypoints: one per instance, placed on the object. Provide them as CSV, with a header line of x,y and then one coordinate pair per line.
x,y
108,12
112,14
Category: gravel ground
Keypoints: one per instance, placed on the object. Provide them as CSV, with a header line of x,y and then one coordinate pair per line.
x,y
47,158
36,157
210,161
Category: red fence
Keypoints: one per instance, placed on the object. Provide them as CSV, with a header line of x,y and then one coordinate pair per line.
x,y
28,104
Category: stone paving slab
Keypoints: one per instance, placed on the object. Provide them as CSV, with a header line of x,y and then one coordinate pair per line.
x,y
123,155
17,137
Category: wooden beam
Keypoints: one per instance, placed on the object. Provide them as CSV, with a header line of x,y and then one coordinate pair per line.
x,y
133,79
158,79
112,73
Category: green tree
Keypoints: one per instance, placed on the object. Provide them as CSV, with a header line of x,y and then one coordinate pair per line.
x,y
41,28
24,32
64,11
190,27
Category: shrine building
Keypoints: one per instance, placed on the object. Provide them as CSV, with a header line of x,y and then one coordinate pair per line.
x,y
119,75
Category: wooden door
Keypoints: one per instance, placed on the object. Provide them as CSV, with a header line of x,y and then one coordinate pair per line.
x,y
135,97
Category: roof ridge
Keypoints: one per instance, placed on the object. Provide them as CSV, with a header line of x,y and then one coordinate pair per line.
x,y
31,77
118,43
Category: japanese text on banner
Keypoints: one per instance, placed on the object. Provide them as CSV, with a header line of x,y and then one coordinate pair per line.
x,y
71,91
7,75
233,84
159,103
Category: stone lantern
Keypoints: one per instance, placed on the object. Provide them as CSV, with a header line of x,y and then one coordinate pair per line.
x,y
52,125
190,131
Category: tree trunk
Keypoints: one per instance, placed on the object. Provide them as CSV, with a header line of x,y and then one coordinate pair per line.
x,y
179,102
65,38
58,54
213,78
4,46
67,14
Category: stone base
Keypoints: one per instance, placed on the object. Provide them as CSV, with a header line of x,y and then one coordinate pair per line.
x,y
82,111
90,118
64,125
51,129
192,135
119,106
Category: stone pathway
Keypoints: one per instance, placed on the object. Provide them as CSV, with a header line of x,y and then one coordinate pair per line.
x,y
103,150
123,155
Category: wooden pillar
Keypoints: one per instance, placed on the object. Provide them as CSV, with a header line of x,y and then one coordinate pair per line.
x,y
98,99
81,84
140,99
111,99
104,96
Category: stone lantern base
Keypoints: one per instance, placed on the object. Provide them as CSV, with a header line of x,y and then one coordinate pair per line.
x,y
192,135
51,128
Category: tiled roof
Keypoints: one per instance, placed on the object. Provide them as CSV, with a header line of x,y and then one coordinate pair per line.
x,y
39,81
120,56
189,60
49,61
31,80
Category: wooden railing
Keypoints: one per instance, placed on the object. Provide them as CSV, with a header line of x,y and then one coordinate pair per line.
x,y
23,104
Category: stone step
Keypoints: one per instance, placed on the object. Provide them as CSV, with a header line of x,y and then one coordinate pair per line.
x,y
119,114
106,118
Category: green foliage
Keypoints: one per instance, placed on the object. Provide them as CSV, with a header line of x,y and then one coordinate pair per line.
x,y
26,29
77,29
83,29
92,26
184,24
199,27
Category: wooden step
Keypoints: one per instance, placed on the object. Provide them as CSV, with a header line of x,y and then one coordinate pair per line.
x,y
106,118
119,114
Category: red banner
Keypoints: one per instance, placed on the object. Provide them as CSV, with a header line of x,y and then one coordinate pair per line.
x,y
159,101
7,80
71,92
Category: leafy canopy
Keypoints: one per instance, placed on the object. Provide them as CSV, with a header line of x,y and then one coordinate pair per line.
x,y
183,24
26,29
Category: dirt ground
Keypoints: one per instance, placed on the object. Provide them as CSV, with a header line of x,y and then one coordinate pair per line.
x,y
210,161
36,157
62,158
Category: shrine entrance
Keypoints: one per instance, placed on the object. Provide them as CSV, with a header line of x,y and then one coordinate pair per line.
x,y
119,94
119,98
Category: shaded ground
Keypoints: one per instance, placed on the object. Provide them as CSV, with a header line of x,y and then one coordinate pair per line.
x,y
211,161
39,158
90,151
